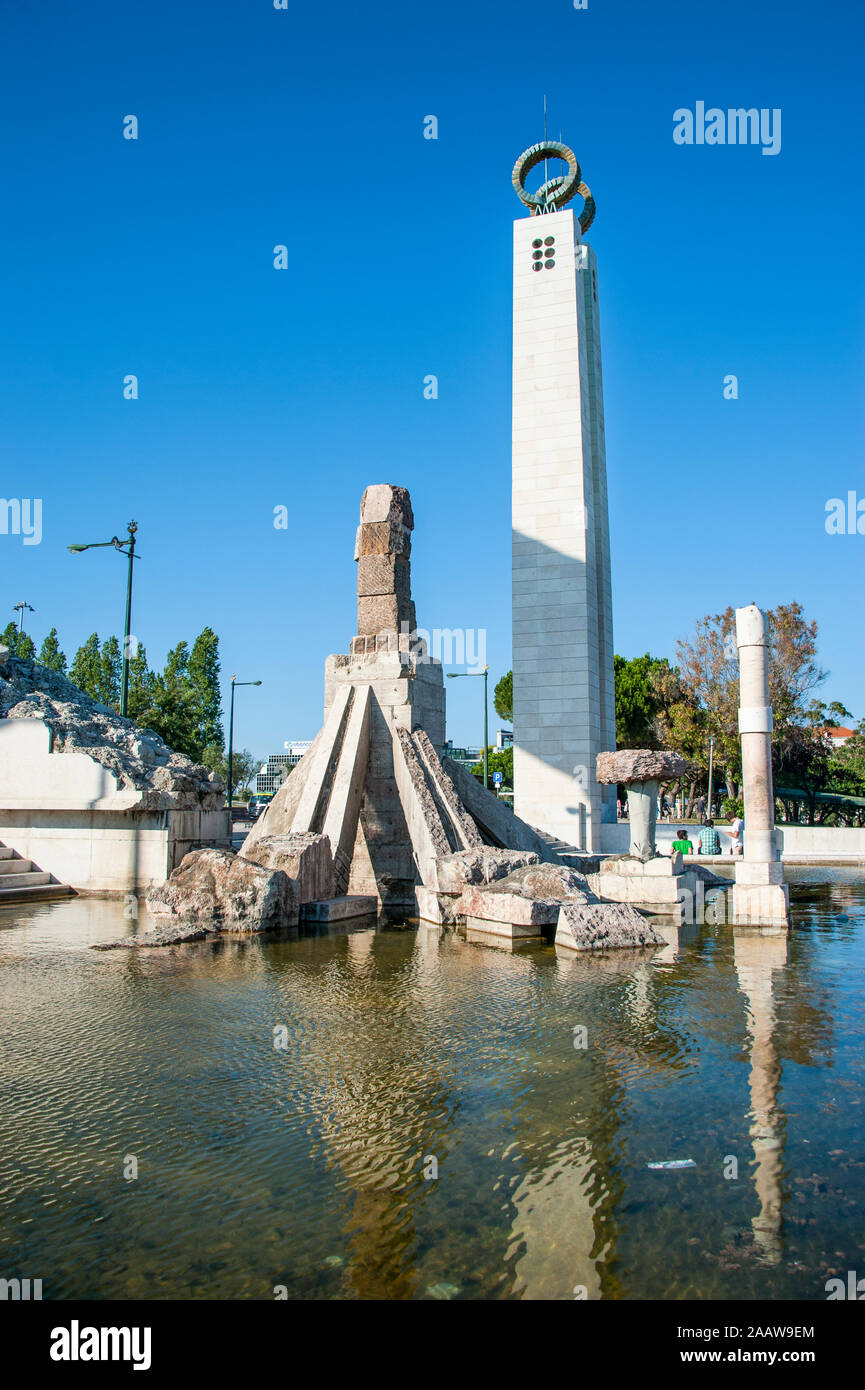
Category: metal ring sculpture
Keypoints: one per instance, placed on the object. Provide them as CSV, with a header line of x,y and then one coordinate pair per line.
x,y
555,193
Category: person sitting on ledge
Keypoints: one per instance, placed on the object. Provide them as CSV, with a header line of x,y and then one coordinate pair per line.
x,y
682,844
710,840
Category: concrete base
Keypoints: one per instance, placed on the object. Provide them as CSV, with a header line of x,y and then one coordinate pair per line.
x,y
510,931
337,909
759,896
658,885
760,904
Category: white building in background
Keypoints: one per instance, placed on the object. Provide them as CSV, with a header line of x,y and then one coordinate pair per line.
x,y
273,773
564,699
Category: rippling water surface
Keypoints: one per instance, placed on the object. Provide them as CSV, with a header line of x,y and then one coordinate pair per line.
x,y
307,1166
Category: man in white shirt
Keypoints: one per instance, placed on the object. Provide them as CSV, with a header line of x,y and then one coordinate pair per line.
x,y
736,834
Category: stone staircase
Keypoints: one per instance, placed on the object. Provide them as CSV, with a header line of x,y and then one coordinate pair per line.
x,y
22,881
564,853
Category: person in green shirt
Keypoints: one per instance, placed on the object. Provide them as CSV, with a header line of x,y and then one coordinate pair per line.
x,y
682,843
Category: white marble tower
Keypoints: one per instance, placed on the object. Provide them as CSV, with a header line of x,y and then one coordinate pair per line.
x,y
564,700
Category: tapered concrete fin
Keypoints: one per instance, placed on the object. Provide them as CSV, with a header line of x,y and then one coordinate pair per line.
x,y
465,832
312,807
349,780
496,822
431,838
279,817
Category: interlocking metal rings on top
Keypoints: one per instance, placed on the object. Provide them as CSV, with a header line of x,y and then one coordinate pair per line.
x,y
555,193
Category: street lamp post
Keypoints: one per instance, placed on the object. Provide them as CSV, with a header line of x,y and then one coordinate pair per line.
x,y
454,675
234,682
20,609
127,548
711,760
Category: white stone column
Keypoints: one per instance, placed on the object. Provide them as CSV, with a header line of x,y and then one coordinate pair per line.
x,y
760,895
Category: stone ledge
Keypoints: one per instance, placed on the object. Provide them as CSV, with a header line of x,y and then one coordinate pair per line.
x,y
337,909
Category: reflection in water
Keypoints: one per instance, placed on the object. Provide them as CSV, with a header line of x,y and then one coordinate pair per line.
x,y
307,1167
757,956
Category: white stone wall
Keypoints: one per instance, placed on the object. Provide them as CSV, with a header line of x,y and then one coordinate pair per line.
x,y
564,711
796,841
67,813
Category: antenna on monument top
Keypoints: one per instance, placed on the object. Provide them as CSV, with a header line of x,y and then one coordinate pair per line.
x,y
545,135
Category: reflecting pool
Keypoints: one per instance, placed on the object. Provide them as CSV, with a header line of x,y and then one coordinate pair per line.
x,y
395,1112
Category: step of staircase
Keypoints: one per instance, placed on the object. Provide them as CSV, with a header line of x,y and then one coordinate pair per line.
x,y
40,892
21,880
31,879
15,866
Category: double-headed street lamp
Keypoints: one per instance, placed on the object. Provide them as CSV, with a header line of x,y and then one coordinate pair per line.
x,y
234,682
127,548
20,609
455,675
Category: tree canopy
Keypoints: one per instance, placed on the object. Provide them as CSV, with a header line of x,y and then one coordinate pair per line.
x,y
503,698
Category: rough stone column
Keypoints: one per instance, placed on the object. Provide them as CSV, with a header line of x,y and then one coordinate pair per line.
x,y
760,895
385,610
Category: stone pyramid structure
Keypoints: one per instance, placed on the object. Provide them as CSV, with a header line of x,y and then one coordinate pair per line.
x,y
402,820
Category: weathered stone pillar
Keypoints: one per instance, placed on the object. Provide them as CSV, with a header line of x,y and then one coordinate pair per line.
x,y
760,894
385,611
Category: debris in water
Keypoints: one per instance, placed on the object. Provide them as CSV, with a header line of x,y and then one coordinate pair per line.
x,y
674,1163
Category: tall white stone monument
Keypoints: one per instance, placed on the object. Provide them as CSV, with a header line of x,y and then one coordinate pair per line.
x,y
564,700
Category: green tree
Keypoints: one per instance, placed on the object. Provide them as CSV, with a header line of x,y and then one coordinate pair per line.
x,y
20,644
140,685
699,698
86,668
203,675
51,655
638,700
244,766
169,708
498,760
503,698
110,672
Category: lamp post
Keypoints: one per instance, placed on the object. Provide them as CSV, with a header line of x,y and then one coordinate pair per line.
x,y
711,760
20,610
234,682
127,548
454,675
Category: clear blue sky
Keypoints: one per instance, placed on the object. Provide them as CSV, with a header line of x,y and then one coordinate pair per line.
x,y
260,388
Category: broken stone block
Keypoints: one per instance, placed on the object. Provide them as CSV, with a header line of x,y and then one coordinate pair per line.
x,y
382,538
550,881
385,502
338,909
384,574
383,613
305,857
596,926
494,905
214,885
480,866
